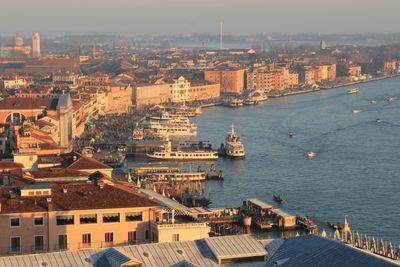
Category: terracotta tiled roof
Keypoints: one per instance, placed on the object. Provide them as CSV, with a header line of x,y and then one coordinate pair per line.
x,y
13,103
82,163
77,197
7,165
57,173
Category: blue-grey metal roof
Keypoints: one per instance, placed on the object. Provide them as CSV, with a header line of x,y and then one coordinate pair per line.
x,y
64,101
312,250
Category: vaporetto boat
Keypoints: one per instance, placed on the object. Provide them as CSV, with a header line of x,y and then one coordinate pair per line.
x,y
165,153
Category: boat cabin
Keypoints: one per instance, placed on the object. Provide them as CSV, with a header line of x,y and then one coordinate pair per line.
x,y
285,220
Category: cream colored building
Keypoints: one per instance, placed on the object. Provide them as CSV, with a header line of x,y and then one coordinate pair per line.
x,y
180,90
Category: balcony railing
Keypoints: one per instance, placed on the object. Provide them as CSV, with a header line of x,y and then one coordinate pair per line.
x,y
179,225
85,245
14,250
107,244
62,247
38,249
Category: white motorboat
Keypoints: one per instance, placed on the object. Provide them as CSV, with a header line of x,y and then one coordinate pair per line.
x,y
311,154
352,91
355,111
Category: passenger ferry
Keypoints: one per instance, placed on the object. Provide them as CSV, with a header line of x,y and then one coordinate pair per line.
x,y
233,145
176,176
352,91
165,153
233,103
255,97
174,128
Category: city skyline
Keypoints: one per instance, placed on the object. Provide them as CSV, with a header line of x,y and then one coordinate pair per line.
x,y
186,17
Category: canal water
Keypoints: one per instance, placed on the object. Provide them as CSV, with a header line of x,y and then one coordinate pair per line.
x,y
357,168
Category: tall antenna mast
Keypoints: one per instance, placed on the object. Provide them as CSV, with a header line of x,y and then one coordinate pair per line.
x,y
220,37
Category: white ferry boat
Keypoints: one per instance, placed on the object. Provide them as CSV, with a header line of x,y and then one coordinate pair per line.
x,y
234,103
173,130
165,153
255,97
234,146
352,91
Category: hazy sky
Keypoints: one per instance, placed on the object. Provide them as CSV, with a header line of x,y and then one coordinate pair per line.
x,y
200,16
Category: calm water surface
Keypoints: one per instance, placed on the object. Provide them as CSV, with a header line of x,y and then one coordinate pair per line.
x,y
356,170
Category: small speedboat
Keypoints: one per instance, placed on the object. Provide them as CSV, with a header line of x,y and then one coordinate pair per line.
x,y
311,154
352,91
291,134
335,226
355,111
391,98
378,120
278,198
372,101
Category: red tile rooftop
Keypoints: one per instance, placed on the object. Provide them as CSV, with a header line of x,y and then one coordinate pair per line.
x,y
7,165
76,161
74,197
28,103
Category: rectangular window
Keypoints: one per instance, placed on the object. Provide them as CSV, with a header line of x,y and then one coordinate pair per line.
x,y
15,244
62,242
86,240
65,219
109,237
133,216
132,237
38,221
175,237
15,222
88,218
110,217
39,243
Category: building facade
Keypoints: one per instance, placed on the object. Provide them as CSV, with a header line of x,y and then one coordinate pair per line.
x,y
230,79
72,217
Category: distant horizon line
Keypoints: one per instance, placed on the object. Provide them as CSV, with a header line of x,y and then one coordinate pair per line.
x,y
53,34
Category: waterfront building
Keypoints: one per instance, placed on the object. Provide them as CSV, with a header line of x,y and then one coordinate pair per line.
x,y
151,94
390,66
203,90
332,72
354,71
230,79
42,218
180,91
36,45
308,75
119,99
271,78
